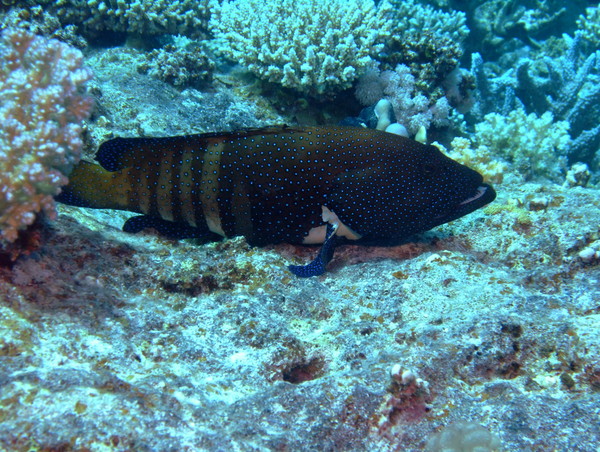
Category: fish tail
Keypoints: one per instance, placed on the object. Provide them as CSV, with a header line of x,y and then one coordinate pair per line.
x,y
92,186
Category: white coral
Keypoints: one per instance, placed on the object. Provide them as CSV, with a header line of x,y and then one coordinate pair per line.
x,y
536,146
314,46
590,25
412,17
186,17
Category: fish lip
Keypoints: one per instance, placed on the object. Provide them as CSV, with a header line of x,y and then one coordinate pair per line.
x,y
484,194
483,191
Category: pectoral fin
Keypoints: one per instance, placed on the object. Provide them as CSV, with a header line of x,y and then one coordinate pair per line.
x,y
318,265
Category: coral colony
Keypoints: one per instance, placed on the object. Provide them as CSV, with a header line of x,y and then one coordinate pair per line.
x,y
479,333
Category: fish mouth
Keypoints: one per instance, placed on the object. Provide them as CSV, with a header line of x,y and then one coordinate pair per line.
x,y
484,194
481,196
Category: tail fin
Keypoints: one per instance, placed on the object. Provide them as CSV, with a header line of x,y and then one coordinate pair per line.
x,y
90,185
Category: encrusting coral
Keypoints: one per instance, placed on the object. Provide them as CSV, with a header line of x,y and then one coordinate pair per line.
x,y
41,111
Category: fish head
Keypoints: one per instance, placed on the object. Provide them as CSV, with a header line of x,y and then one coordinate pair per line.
x,y
408,188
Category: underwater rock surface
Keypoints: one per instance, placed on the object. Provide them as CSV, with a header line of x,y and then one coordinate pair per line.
x,y
136,342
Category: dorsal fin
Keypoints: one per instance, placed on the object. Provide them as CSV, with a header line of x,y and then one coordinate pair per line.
x,y
120,153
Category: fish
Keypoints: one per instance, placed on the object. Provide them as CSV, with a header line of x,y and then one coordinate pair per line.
x,y
299,185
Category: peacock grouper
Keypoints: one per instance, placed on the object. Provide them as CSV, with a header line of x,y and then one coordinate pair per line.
x,y
306,185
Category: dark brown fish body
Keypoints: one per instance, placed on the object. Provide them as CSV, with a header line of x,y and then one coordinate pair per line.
x,y
274,185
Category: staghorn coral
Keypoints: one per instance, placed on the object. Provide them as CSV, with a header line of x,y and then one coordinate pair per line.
x,y
570,90
566,86
501,26
315,47
494,93
41,110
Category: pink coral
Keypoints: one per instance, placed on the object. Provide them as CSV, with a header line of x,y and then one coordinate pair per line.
x,y
41,111
412,108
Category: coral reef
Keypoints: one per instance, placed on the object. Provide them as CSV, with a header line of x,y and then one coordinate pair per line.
x,y
41,110
495,92
315,47
427,40
180,66
95,18
414,18
38,21
500,26
420,67
589,25
570,91
412,109
567,86
480,157
535,146
480,335
130,103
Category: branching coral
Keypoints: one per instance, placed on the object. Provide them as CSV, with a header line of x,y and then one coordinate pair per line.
x,y
570,91
589,24
41,110
480,158
412,17
149,17
526,145
41,22
313,46
186,65
567,86
535,146
502,25
427,40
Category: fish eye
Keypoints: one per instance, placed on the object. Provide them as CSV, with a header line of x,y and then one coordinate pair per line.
x,y
429,168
